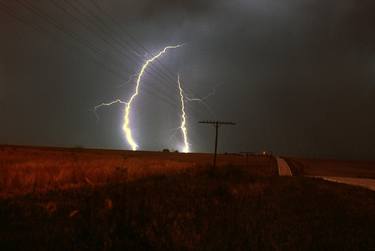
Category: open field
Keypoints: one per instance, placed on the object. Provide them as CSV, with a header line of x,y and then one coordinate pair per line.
x,y
79,199
225,209
333,168
33,170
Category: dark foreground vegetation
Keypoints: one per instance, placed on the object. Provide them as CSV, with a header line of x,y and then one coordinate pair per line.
x,y
226,209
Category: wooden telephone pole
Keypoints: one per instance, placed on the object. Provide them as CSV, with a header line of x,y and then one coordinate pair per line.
x,y
217,124
247,157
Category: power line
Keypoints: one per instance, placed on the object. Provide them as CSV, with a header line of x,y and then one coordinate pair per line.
x,y
103,37
73,36
124,44
120,42
168,74
132,40
81,41
42,30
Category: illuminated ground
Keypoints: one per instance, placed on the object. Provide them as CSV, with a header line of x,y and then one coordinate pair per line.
x,y
226,209
78,199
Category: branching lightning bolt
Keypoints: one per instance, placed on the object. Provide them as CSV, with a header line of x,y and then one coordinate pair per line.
x,y
128,105
116,101
183,128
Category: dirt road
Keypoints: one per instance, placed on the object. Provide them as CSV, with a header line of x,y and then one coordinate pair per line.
x,y
284,169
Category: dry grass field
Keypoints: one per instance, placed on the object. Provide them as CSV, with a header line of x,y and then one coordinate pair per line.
x,y
334,168
79,199
224,209
25,170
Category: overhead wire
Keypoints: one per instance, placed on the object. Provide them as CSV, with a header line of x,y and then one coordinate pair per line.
x,y
74,36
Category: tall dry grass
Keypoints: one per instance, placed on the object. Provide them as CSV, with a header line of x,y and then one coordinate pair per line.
x,y
34,170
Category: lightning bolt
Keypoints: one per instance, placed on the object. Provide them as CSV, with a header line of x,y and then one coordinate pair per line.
x,y
116,101
128,105
183,128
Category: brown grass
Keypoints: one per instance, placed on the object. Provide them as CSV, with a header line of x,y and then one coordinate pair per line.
x,y
229,208
35,170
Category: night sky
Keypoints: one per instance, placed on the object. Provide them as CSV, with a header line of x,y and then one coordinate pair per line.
x,y
298,77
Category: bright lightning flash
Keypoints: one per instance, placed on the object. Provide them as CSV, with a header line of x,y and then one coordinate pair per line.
x,y
126,126
183,128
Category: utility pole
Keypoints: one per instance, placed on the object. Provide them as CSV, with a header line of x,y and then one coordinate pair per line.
x,y
247,157
217,124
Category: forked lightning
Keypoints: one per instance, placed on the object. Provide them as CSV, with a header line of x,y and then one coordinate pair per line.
x,y
128,105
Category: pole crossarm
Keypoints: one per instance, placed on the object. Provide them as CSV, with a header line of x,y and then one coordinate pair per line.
x,y
217,122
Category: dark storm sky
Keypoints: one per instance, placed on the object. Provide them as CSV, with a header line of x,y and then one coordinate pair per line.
x,y
297,76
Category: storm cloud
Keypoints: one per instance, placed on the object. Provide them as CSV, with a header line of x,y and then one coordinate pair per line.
x,y
297,76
